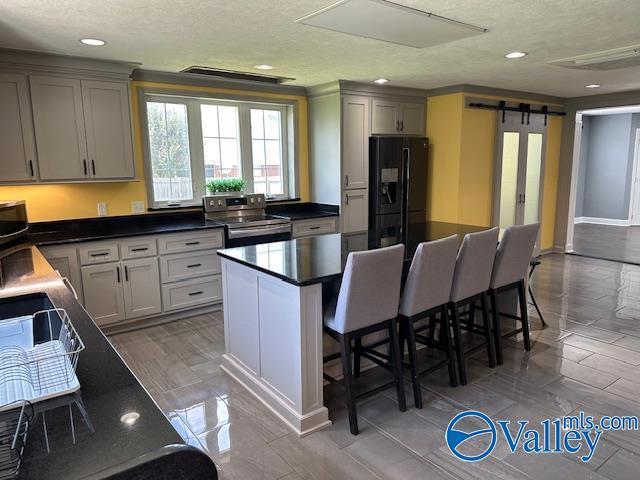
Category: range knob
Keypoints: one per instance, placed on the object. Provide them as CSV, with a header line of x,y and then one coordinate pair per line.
x,y
253,200
219,203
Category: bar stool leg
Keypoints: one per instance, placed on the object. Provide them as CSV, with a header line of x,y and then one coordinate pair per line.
x,y
445,336
457,339
497,332
356,357
345,350
488,334
524,315
410,336
397,364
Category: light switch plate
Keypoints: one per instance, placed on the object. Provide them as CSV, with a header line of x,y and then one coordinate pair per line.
x,y
102,209
137,207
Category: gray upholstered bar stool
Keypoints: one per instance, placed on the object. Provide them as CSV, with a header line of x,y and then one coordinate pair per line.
x,y
509,273
426,294
471,279
368,302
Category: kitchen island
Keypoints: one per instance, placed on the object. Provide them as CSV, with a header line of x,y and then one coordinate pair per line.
x,y
274,297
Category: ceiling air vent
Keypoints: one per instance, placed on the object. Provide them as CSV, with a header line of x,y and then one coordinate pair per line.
x,y
389,22
605,60
235,75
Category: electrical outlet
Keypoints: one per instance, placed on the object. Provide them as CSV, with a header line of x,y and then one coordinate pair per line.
x,y
102,209
137,206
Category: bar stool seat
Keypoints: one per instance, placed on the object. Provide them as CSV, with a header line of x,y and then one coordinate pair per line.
x,y
367,302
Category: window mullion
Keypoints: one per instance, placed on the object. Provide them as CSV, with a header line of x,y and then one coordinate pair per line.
x,y
246,157
197,149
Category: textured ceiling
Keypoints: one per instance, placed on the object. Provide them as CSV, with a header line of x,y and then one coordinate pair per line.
x,y
238,34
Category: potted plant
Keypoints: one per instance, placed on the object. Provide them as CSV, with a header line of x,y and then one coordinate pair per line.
x,y
225,185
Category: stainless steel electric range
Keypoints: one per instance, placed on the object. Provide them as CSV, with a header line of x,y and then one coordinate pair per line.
x,y
245,219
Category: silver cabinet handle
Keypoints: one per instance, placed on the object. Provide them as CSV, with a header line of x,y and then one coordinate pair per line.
x,y
346,180
346,199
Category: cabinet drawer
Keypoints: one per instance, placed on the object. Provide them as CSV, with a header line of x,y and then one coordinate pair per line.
x,y
190,241
182,266
98,252
138,247
190,293
306,228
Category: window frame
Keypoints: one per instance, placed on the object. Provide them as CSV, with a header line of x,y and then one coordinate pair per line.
x,y
288,109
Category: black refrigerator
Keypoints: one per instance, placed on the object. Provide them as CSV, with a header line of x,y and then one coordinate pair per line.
x,y
397,188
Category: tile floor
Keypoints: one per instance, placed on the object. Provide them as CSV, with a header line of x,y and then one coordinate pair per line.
x,y
607,241
587,359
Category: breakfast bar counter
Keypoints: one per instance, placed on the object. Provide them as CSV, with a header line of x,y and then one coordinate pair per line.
x,y
274,295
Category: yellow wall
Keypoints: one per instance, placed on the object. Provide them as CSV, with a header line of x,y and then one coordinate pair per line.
x,y
462,142
62,202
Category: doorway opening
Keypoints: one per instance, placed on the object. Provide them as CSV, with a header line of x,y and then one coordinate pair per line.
x,y
604,218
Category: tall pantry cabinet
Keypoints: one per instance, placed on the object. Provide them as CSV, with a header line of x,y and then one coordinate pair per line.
x,y
342,117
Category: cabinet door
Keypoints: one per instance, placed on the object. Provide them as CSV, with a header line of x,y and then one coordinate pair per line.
x,y
16,133
142,295
59,128
385,117
103,295
64,259
355,211
355,142
412,121
108,127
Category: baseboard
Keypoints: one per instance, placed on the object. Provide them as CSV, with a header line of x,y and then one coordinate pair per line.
x,y
556,249
603,221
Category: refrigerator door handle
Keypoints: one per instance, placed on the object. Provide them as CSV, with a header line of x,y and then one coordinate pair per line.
x,y
406,154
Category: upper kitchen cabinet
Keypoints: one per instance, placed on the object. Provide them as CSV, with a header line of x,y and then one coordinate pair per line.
x,y
59,125
355,141
66,119
16,133
108,129
397,118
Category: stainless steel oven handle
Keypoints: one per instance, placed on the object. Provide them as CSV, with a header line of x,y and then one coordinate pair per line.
x,y
257,231
13,234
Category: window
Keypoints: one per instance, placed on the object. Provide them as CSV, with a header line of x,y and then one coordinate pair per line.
x,y
194,140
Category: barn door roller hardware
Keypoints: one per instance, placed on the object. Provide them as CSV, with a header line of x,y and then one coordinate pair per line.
x,y
524,108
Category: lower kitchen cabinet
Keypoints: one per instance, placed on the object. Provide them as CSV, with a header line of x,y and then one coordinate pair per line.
x,y
314,226
355,211
141,288
103,292
192,293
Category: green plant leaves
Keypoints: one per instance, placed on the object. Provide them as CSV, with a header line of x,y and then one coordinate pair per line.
x,y
225,185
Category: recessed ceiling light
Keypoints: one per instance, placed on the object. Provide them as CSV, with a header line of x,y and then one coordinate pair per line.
x,y
516,54
94,42
381,81
264,67
593,85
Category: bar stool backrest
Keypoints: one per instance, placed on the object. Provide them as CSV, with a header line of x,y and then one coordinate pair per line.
x,y
370,289
514,254
430,276
474,264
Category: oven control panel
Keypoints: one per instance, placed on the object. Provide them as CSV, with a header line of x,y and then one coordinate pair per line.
x,y
224,202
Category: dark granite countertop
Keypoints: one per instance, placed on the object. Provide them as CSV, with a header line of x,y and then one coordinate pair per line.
x,y
305,261
107,387
303,211
68,231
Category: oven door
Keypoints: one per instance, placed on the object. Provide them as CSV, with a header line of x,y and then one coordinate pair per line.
x,y
239,237
13,221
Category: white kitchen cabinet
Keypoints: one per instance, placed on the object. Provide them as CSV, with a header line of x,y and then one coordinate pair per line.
x,y
401,118
183,266
17,143
141,288
103,292
64,259
192,293
355,211
314,226
355,141
59,128
108,129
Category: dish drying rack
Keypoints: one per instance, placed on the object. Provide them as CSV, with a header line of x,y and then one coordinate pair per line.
x,y
38,370
14,427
